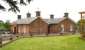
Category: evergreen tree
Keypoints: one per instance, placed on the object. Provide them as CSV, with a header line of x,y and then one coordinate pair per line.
x,y
13,4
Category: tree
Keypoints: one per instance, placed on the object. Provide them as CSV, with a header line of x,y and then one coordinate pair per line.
x,y
13,4
78,26
1,25
7,25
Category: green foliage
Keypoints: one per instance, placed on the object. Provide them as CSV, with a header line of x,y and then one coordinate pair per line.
x,y
4,25
78,23
7,25
72,42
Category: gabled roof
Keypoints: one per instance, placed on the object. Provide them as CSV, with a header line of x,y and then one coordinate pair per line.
x,y
26,20
49,21
54,21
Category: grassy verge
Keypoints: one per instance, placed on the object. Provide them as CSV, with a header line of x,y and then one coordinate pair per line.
x,y
72,42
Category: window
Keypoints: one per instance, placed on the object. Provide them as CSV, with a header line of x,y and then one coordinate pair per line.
x,y
24,28
71,28
62,28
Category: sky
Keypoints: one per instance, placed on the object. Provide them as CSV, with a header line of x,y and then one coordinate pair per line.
x,y
47,7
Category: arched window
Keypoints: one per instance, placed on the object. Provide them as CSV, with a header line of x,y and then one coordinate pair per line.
x,y
24,29
71,28
62,28
19,29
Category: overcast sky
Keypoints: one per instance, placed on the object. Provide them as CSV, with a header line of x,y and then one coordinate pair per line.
x,y
47,7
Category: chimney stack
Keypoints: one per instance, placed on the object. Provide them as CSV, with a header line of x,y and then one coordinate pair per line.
x,y
19,16
51,16
66,14
28,15
38,13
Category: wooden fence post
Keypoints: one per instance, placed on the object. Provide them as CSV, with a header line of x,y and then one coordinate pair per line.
x,y
11,38
0,41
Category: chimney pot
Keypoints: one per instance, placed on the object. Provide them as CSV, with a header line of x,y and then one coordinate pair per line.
x,y
51,16
28,14
66,14
19,16
38,13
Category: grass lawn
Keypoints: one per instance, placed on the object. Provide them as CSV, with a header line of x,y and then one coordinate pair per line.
x,y
71,42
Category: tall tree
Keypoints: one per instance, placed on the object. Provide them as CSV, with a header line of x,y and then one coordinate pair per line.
x,y
13,4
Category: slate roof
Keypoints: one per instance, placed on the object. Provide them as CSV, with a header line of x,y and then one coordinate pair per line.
x,y
26,20
54,21
31,19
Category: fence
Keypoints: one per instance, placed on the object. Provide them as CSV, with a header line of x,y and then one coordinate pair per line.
x,y
6,38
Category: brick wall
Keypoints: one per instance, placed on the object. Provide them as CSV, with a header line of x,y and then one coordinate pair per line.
x,y
38,27
56,28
